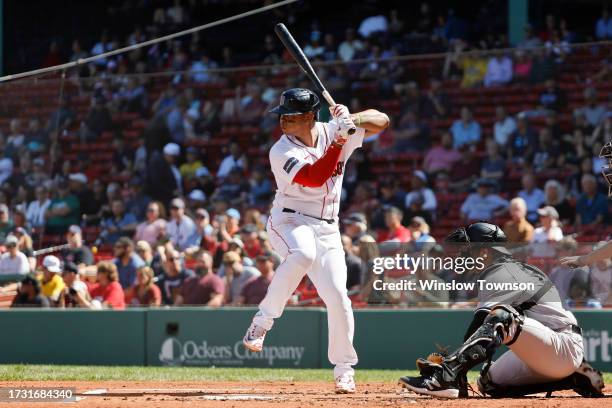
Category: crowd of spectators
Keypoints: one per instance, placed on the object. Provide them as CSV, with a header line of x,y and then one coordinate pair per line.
x,y
180,229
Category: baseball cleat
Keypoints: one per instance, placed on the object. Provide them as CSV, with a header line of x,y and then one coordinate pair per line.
x,y
254,337
589,381
345,384
430,386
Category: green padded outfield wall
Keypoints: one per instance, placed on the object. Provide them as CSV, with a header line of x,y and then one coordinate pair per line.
x,y
204,337
72,337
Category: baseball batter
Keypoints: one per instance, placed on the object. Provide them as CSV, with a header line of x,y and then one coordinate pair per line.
x,y
544,340
308,165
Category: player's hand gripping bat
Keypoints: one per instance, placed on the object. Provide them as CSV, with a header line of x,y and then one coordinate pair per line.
x,y
298,55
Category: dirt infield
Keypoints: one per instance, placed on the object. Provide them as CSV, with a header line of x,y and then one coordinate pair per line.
x,y
112,394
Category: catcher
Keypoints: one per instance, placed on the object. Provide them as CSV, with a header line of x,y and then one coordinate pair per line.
x,y
545,341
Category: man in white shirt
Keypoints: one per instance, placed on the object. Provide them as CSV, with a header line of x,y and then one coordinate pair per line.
x,y
180,228
504,127
235,159
419,188
533,196
483,205
13,262
373,24
35,213
499,71
349,46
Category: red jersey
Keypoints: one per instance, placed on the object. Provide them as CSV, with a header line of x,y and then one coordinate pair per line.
x,y
112,294
400,234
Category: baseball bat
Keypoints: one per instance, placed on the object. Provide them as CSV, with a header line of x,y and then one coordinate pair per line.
x,y
50,250
298,55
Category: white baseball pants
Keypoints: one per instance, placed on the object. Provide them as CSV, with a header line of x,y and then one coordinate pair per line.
x,y
313,247
539,355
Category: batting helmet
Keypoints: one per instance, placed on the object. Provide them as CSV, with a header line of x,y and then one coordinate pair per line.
x,y
296,101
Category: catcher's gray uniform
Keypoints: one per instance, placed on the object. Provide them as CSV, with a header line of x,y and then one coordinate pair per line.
x,y
549,346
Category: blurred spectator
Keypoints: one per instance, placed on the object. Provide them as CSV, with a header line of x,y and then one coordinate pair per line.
x,y
29,294
499,71
199,69
465,131
557,46
600,278
465,172
236,275
107,292
355,227
436,103
548,232
394,230
144,292
153,228
410,135
474,69
205,288
15,139
175,119
77,253
483,205
373,25
76,293
261,189
419,186
13,261
98,120
235,188
132,97
6,224
314,48
518,229
504,127
354,266
561,275
554,195
553,97
188,169
126,261
153,261
543,66
249,237
119,224
236,158
255,290
592,111
419,228
530,41
522,66
52,284
547,151
603,27
164,180
78,187
209,121
533,196
171,281
6,166
592,206
522,141
61,118
493,165
63,211
180,228
350,46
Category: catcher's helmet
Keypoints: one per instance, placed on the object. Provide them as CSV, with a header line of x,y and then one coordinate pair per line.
x,y
296,101
606,153
478,232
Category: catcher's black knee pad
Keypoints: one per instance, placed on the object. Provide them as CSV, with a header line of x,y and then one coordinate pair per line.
x,y
506,322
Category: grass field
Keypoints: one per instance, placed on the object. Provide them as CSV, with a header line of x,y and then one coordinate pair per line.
x,y
103,373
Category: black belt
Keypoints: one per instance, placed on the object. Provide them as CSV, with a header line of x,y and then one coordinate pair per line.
x,y
327,220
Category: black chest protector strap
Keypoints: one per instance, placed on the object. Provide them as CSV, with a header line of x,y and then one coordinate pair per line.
x,y
533,300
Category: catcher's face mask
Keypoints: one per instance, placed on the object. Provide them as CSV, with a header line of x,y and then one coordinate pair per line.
x,y
606,153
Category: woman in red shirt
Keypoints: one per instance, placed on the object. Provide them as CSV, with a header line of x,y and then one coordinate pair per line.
x,y
144,292
107,293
